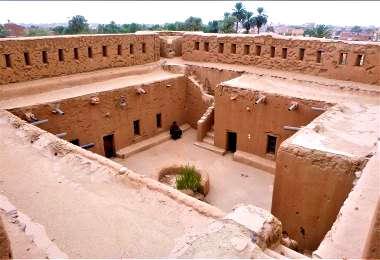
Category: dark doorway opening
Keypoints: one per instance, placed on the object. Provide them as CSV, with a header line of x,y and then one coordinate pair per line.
x,y
75,141
109,146
271,144
231,141
136,127
158,120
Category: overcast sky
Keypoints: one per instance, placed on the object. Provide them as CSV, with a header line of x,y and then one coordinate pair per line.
x,y
153,12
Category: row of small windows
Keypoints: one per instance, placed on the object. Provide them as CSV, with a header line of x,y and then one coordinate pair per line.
x,y
136,125
284,52
61,54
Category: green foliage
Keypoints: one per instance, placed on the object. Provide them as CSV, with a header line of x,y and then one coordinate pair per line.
x,y
59,29
240,13
37,31
227,24
319,31
193,24
212,27
356,29
3,31
249,22
188,178
78,24
261,19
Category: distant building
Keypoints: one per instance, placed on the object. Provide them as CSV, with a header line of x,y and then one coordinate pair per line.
x,y
15,30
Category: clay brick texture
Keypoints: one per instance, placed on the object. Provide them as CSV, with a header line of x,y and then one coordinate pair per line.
x,y
23,59
352,61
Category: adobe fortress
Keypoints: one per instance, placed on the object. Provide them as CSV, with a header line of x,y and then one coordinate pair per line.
x,y
286,130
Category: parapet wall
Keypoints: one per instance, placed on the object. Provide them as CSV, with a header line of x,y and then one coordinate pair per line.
x,y
23,59
353,61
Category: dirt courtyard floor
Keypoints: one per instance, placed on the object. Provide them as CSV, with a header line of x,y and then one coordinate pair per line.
x,y
231,182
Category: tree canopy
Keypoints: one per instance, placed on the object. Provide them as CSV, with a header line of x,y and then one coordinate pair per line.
x,y
319,31
3,31
228,24
78,24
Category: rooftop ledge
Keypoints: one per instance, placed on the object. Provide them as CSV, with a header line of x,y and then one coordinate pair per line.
x,y
282,37
346,129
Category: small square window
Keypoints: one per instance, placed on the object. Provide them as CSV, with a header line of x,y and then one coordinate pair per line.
x,y
246,49
119,50
27,58
44,57
343,58
143,47
89,52
206,46
319,56
221,47
104,48
76,54
301,54
359,60
272,51
7,58
196,46
131,49
61,56
284,53
258,50
233,48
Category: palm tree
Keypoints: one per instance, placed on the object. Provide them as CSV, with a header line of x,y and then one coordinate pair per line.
x,y
319,31
261,19
249,22
78,24
239,12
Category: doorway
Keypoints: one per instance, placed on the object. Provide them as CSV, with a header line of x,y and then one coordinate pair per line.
x,y
109,146
231,141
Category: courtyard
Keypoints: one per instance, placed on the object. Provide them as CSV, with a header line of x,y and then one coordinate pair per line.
x,y
231,182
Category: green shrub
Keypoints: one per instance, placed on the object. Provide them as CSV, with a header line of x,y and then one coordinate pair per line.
x,y
188,178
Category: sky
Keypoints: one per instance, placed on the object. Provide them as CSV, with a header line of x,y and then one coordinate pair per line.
x,y
348,13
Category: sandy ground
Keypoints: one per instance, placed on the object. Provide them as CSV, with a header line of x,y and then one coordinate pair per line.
x,y
299,89
85,89
341,85
85,211
227,185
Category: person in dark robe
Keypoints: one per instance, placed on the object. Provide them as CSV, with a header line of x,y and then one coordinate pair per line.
x,y
175,131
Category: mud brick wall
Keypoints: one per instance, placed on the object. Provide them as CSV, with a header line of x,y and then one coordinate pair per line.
x,y
326,58
23,59
236,111
90,123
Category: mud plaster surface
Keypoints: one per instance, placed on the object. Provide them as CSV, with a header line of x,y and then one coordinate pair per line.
x,y
88,212
230,182
65,93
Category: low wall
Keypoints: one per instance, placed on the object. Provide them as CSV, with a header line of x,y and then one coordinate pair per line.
x,y
321,57
196,102
316,169
23,59
210,77
356,233
5,245
205,123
